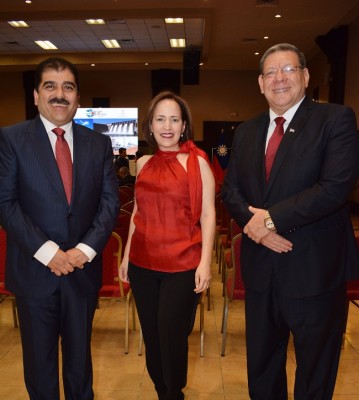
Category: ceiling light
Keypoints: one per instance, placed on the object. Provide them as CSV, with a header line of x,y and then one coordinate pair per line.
x,y
111,43
266,37
96,21
278,16
256,54
93,65
178,43
46,44
28,1
174,20
18,24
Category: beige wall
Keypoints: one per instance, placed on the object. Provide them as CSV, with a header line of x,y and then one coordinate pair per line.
x,y
220,96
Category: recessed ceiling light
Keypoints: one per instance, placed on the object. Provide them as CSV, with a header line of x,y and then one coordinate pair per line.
x,y
28,1
46,44
266,37
93,65
146,63
174,20
18,24
111,43
256,53
278,16
96,21
178,43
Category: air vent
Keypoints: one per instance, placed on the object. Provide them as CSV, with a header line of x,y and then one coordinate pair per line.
x,y
249,40
266,3
13,43
126,41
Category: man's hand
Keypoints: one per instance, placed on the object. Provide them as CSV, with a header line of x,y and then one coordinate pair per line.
x,y
256,231
77,258
276,243
60,264
255,228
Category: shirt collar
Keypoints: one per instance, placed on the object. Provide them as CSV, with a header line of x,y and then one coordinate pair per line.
x,y
288,115
49,126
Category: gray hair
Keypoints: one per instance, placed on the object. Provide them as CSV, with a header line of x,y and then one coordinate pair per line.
x,y
283,47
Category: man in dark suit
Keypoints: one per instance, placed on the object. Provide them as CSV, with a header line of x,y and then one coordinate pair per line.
x,y
298,247
56,231
125,178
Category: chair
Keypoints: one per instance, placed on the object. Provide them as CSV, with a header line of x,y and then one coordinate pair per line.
x,y
112,286
122,227
222,230
233,283
4,293
126,194
128,206
225,250
352,289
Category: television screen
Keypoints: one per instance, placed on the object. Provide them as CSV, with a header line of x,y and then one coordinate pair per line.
x,y
121,124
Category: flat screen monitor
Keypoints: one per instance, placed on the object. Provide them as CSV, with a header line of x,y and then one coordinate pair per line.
x,y
120,124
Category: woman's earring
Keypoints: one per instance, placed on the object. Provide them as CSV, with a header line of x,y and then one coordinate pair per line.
x,y
151,133
182,135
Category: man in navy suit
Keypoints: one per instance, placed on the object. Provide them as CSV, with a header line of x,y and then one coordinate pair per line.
x,y
298,246
55,238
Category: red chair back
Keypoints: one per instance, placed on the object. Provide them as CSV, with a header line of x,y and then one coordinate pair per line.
x,y
122,227
2,254
235,285
111,284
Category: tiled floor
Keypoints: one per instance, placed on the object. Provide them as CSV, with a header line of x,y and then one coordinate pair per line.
x,y
118,376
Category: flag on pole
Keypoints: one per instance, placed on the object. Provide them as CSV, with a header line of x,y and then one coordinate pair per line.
x,y
220,159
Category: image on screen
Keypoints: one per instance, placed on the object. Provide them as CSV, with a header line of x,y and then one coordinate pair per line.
x,y
120,124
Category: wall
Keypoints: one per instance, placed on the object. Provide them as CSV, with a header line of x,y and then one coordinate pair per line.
x,y
352,74
220,96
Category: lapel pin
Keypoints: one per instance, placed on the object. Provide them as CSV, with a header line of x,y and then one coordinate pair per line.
x,y
291,130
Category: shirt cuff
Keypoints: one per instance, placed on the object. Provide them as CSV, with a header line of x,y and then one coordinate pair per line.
x,y
46,252
89,252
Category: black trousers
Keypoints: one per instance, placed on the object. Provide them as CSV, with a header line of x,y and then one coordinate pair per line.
x,y
68,315
316,324
166,305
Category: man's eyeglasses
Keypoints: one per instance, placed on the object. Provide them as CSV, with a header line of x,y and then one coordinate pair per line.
x,y
286,70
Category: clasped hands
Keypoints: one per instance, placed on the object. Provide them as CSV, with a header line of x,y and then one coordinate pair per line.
x,y
65,262
256,231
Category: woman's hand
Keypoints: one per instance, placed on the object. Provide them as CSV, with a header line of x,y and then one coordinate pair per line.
x,y
203,278
123,271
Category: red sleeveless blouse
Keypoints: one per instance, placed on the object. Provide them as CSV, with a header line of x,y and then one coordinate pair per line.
x,y
167,234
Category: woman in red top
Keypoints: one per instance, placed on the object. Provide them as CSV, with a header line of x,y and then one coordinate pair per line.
x,y
168,254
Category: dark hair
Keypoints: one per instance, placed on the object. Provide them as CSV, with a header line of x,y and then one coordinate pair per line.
x,y
185,115
283,47
57,64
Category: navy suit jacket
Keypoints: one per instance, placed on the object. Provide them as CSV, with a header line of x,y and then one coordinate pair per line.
x,y
313,174
34,209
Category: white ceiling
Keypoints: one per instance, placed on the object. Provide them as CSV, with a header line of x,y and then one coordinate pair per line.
x,y
228,32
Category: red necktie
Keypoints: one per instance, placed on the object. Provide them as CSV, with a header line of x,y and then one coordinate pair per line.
x,y
64,162
273,144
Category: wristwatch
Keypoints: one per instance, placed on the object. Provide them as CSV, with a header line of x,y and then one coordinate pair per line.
x,y
268,223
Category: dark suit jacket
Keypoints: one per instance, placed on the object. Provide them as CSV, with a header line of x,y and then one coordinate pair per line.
x,y
34,209
314,171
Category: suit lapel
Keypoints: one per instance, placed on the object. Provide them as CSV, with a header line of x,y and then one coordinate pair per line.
x,y
41,147
82,158
261,136
292,133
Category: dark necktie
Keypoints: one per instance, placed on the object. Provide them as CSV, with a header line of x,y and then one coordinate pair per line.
x,y
64,162
273,144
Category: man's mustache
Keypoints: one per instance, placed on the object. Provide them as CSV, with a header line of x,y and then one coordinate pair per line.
x,y
60,100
